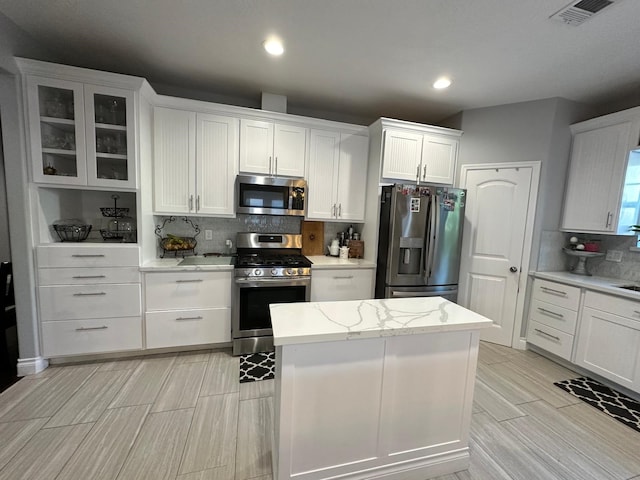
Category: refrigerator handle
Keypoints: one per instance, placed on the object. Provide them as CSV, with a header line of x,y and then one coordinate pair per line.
x,y
434,212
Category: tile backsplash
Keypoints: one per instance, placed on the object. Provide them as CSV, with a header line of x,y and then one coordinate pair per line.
x,y
553,259
224,229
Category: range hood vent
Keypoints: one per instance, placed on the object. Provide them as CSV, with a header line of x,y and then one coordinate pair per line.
x,y
576,13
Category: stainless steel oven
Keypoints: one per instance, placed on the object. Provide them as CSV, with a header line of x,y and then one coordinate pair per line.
x,y
269,269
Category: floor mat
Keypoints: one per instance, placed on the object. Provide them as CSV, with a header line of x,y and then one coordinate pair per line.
x,y
615,404
257,366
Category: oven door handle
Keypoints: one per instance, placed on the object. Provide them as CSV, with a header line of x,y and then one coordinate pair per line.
x,y
261,282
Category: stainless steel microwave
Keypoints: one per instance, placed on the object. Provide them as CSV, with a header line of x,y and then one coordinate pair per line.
x,y
270,195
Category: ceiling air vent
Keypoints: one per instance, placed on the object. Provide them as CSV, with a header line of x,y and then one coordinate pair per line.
x,y
576,13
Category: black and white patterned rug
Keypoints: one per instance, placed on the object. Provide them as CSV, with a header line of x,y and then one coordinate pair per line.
x,y
615,404
257,366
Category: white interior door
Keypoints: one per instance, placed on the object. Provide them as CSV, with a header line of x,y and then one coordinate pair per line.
x,y
492,245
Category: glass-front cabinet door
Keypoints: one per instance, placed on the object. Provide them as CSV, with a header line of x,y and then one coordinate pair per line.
x,y
56,117
81,134
110,138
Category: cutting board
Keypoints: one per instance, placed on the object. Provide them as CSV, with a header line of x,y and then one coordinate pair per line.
x,y
313,238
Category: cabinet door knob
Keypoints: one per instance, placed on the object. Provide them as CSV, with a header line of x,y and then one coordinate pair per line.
x,y
513,269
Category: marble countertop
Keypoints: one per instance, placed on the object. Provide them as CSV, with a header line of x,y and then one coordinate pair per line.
x,y
600,284
171,264
324,262
310,322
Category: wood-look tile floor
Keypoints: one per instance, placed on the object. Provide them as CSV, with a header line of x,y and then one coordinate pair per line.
x,y
186,417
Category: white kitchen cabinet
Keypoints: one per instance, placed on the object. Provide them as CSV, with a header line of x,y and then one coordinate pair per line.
x,y
553,316
90,299
596,171
337,170
342,284
268,148
609,339
81,134
195,162
418,156
187,308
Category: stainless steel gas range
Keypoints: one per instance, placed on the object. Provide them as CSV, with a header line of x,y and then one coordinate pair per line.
x,y
269,269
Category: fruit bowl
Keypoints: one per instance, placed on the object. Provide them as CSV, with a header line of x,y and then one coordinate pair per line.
x,y
173,243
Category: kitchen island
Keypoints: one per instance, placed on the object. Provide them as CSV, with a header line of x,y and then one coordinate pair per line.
x,y
373,388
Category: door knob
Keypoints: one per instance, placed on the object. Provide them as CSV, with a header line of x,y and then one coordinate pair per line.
x,y
513,269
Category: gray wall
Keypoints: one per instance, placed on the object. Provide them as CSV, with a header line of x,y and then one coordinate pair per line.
x,y
13,41
5,248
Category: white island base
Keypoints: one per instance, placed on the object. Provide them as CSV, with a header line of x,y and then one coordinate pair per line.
x,y
373,389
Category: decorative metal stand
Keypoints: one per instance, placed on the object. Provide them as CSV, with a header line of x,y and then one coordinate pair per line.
x,y
124,231
581,267
175,244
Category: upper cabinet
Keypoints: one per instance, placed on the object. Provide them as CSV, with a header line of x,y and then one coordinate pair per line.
x,y
416,153
599,159
270,148
336,176
195,162
80,133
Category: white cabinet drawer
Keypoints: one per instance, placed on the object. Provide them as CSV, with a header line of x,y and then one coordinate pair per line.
x,y
68,302
186,290
91,336
59,255
341,284
554,316
550,339
556,293
188,327
84,276
611,304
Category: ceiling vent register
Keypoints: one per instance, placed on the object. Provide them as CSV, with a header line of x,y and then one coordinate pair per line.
x,y
576,13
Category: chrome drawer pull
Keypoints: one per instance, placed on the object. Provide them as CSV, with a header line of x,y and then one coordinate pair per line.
x,y
189,281
189,318
84,329
547,334
87,256
343,278
89,294
89,276
551,290
549,312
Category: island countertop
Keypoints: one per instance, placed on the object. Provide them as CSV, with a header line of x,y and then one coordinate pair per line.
x,y
310,322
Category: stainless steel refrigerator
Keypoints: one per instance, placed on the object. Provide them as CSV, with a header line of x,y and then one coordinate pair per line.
x,y
419,241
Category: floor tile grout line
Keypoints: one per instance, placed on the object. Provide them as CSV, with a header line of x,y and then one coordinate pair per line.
x,y
133,441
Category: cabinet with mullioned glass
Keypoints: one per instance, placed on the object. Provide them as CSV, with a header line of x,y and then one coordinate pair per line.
x,y
81,134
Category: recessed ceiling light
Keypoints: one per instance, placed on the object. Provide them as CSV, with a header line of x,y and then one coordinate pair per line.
x,y
273,46
442,82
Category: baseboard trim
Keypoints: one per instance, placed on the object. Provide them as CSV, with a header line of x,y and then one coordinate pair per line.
x,y
31,366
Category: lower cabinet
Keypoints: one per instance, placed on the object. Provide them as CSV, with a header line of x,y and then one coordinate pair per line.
x,y
342,284
187,308
609,339
90,299
596,331
553,316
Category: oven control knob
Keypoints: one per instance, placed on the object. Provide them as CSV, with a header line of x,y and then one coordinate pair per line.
x,y
290,271
274,272
257,272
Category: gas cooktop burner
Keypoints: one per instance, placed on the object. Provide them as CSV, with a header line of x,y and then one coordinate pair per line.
x,y
257,260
